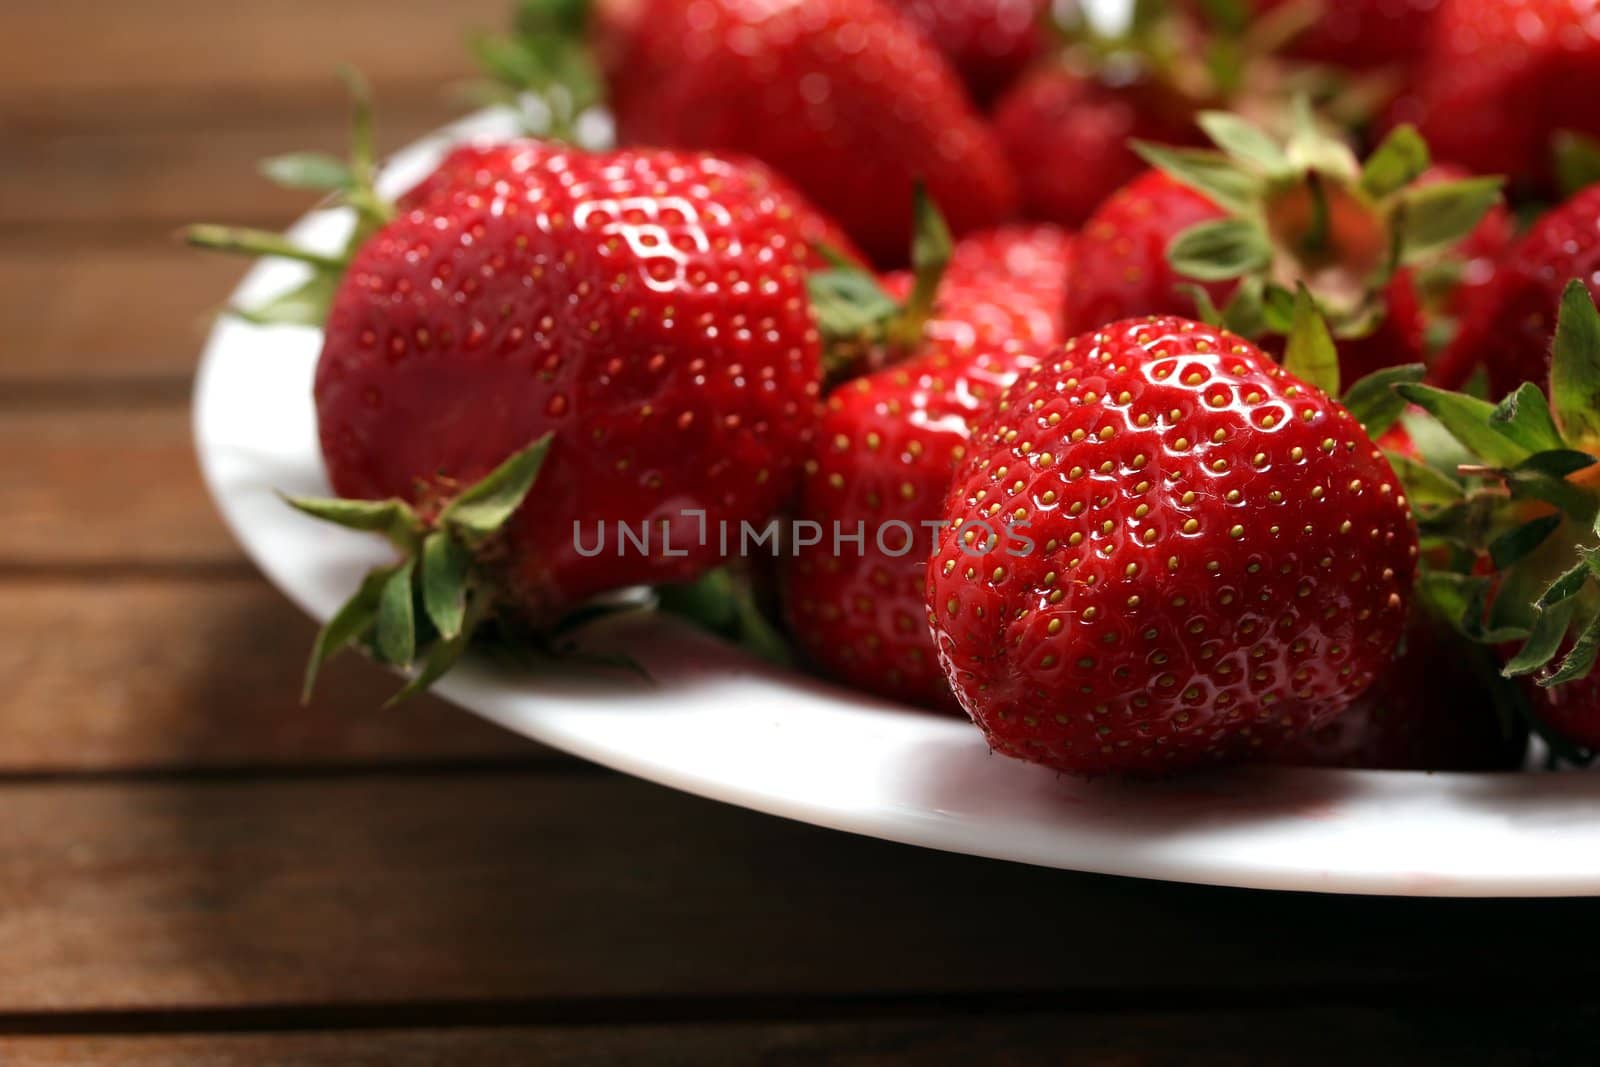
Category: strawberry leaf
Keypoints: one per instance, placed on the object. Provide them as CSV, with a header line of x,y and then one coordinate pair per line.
x,y
392,518
441,657
1373,401
1549,629
1310,354
1426,487
1211,174
445,564
1577,161
1565,587
723,603
1220,249
353,619
1524,417
1580,660
1575,367
1245,142
1467,420
1312,148
1433,217
1518,543
305,305
483,508
1395,163
849,303
1546,477
308,170
397,624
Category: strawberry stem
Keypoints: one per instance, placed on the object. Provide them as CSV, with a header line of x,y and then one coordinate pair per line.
x,y
249,242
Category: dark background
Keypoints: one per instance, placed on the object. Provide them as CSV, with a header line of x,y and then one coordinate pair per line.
x,y
193,869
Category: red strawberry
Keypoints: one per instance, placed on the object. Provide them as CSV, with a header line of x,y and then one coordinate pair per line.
x,y
1257,219
1570,711
1429,710
1509,328
644,311
1216,556
988,41
1066,133
1362,34
503,167
1500,79
885,454
841,96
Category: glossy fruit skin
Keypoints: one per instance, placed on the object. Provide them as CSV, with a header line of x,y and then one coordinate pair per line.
x,y
1120,269
1364,34
1512,323
646,308
887,448
989,42
502,168
1427,711
842,97
1220,557
1500,78
1066,134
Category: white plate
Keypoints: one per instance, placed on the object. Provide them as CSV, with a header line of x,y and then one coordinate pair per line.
x,y
719,725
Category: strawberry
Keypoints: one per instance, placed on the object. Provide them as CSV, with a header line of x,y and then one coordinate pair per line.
x,y
630,328
885,452
841,96
1498,81
988,41
1431,709
1509,328
1066,130
1521,516
1163,550
1361,34
1261,218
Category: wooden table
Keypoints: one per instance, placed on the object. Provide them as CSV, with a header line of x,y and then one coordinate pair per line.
x,y
194,869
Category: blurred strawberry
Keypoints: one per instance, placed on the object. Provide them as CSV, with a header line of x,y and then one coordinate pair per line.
x,y
1066,132
1242,227
988,41
1510,325
1360,34
1499,80
1431,709
886,450
841,96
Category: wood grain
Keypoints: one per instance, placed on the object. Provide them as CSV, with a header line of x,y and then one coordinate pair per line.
x,y
461,888
107,674
104,487
192,62
1333,1035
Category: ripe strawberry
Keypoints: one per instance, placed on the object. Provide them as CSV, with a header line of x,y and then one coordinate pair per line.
x,y
988,41
1215,555
1066,132
503,167
1258,219
1362,34
1499,80
640,315
885,453
841,96
1430,709
1509,327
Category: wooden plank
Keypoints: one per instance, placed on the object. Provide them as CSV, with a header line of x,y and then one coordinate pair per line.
x,y
94,487
539,888
109,674
1333,1035
111,180
115,311
95,63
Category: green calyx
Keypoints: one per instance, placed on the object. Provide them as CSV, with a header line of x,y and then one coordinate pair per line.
x,y
543,69
419,613
859,320
349,182
1303,211
1521,486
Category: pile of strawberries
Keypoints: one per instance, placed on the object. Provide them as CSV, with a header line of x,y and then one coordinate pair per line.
x,y
1222,385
